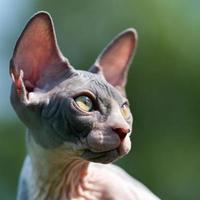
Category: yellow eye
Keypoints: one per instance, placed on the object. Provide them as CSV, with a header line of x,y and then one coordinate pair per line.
x,y
84,103
125,111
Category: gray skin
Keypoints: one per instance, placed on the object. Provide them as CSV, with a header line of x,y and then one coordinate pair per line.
x,y
69,148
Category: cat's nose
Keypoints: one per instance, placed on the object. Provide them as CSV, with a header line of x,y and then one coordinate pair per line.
x,y
121,132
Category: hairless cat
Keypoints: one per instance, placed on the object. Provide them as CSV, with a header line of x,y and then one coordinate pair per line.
x,y
78,122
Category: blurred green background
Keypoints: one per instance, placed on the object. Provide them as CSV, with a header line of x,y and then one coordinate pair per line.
x,y
163,86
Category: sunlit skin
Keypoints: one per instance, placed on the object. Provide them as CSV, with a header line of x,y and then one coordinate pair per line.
x,y
78,122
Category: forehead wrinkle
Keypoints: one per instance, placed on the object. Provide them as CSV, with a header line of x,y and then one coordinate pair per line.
x,y
103,90
100,89
95,82
118,97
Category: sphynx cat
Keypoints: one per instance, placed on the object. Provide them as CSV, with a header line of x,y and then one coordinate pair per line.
x,y
78,122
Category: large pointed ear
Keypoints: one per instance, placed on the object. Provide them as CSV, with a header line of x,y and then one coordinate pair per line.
x,y
115,59
37,59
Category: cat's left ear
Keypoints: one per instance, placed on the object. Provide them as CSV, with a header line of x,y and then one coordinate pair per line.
x,y
115,59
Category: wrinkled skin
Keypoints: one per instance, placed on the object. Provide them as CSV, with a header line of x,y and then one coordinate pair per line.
x,y
67,145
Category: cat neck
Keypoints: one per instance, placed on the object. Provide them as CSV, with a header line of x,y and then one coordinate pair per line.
x,y
55,173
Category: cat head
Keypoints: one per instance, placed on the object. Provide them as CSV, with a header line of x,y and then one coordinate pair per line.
x,y
86,110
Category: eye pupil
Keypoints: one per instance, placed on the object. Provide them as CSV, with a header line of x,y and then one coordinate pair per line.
x,y
86,100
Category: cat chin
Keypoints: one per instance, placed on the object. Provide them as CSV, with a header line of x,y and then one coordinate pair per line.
x,y
107,156
101,157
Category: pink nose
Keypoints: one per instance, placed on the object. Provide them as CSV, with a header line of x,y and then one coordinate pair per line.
x,y
121,132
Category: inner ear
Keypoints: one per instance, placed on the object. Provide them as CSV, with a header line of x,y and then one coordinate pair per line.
x,y
36,53
115,59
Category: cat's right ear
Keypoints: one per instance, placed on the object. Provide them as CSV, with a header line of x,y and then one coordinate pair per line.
x,y
115,59
37,60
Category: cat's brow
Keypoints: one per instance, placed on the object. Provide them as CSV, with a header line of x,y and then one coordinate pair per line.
x,y
105,92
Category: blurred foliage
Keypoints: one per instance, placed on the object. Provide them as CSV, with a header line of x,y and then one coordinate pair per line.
x,y
163,87
11,157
